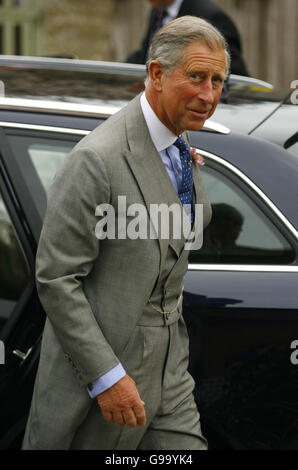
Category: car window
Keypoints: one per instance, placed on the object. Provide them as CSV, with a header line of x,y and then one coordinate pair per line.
x,y
47,158
39,158
14,274
239,232
45,154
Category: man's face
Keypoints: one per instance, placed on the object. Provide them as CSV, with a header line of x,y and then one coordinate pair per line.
x,y
189,96
160,3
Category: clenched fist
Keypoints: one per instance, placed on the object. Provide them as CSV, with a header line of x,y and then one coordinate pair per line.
x,y
122,404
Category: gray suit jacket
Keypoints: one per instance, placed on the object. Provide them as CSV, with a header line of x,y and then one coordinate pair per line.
x,y
87,287
94,291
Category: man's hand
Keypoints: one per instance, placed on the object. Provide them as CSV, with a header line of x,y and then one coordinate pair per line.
x,y
197,158
122,404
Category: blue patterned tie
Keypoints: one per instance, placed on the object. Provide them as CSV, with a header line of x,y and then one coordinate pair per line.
x,y
186,189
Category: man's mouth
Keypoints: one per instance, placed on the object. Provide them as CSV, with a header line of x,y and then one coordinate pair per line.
x,y
200,113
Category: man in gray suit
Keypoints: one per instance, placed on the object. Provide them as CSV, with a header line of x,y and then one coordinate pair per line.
x,y
113,364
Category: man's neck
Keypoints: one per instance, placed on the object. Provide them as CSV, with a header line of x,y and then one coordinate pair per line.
x,y
161,136
152,99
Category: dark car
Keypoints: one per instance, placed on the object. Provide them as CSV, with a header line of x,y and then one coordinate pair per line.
x,y
241,289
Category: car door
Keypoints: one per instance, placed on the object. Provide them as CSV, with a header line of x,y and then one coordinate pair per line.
x,y
240,306
29,159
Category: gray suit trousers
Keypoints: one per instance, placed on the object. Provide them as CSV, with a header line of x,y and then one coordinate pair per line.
x,y
159,369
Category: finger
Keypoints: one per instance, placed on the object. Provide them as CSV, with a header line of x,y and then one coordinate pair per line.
x,y
129,418
140,415
199,160
118,418
196,156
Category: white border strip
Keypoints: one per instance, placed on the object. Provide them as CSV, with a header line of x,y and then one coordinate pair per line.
x,y
243,267
58,106
38,127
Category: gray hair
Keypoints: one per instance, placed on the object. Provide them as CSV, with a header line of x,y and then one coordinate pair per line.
x,y
169,43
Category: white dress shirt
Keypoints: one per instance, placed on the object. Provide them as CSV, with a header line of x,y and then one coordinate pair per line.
x,y
163,140
172,11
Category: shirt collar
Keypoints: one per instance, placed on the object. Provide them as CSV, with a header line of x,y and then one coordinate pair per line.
x,y
161,136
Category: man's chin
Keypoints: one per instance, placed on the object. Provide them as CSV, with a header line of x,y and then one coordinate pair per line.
x,y
196,126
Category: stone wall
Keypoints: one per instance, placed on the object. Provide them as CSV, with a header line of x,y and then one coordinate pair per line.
x,y
79,28
128,26
269,35
94,29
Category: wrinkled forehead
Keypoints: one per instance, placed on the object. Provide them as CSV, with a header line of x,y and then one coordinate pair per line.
x,y
203,52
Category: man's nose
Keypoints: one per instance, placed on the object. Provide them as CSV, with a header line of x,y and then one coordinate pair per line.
x,y
206,92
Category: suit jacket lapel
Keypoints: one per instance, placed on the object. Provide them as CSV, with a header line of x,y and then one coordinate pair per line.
x,y
196,196
148,168
195,173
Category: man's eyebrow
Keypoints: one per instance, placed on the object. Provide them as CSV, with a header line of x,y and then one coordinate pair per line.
x,y
221,75
199,71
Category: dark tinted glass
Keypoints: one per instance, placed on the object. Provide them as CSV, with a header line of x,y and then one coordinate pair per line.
x,y
14,274
239,233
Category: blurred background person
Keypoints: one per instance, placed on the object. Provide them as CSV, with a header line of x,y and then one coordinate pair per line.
x,y
164,11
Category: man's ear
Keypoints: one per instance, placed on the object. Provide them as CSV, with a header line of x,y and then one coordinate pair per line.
x,y
156,73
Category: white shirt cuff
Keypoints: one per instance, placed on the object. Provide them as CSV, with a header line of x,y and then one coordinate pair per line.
x,y
106,380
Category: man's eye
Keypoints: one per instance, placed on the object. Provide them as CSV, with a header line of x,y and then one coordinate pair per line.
x,y
197,77
217,79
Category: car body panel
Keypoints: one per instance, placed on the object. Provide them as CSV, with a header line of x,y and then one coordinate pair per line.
x,y
281,126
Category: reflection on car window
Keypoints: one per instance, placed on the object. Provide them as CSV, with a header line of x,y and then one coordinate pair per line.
x,y
239,232
39,159
47,159
13,270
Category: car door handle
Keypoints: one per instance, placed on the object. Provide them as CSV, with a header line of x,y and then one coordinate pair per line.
x,y
20,354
